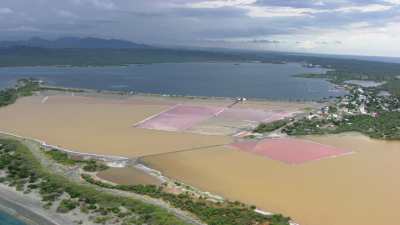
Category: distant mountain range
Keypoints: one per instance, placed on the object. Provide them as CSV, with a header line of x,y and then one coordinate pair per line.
x,y
73,51
74,42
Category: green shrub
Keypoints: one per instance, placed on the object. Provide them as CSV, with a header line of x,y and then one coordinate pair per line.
x,y
21,166
233,213
60,157
67,205
269,127
93,166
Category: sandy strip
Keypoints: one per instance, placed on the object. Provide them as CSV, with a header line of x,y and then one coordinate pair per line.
x,y
29,209
220,111
44,100
155,115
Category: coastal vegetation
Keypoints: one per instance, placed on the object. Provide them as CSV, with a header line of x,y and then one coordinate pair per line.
x,y
50,88
392,82
7,97
221,213
34,56
24,87
384,126
340,69
25,172
269,127
27,87
393,86
60,157
65,159
363,110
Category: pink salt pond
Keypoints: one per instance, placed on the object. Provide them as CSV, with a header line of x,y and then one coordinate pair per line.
x,y
289,150
186,117
179,118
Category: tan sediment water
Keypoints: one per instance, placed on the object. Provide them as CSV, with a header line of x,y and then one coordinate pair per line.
x,y
358,189
97,125
128,176
362,188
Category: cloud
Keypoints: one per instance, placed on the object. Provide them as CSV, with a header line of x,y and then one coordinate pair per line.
x,y
207,12
67,14
249,41
278,11
264,41
365,8
21,29
252,9
99,4
290,8
393,2
220,3
6,11
307,45
337,26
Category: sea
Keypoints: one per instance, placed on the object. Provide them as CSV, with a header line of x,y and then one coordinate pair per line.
x,y
250,80
6,219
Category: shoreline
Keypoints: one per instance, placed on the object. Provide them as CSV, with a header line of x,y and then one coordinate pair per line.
x,y
138,165
21,213
106,158
185,187
27,208
2,187
96,93
118,158
34,210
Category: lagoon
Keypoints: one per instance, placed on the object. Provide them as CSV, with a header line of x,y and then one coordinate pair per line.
x,y
251,80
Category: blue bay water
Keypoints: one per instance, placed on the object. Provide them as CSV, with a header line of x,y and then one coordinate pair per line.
x,y
251,80
6,219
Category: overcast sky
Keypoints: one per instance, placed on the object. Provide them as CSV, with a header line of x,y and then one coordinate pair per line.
x,y
365,27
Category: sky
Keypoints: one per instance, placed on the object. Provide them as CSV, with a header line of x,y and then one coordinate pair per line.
x,y
360,27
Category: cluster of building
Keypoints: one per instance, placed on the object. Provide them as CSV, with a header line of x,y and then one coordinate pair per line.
x,y
355,103
360,101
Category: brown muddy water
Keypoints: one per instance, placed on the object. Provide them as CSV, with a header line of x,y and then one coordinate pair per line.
x,y
128,176
103,123
358,189
97,125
